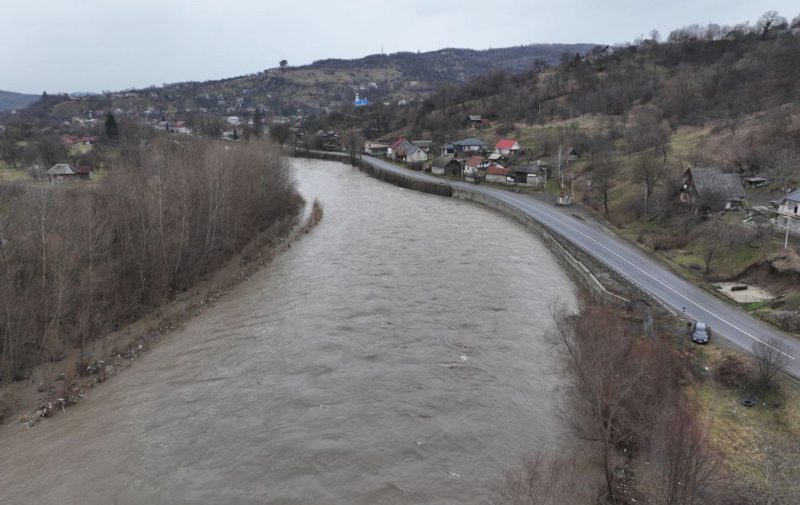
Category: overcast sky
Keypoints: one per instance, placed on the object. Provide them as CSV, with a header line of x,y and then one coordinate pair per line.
x,y
96,45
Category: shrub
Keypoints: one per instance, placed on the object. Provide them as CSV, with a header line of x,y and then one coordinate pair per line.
x,y
733,371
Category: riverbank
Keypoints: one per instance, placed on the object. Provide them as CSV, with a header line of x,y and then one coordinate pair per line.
x,y
58,385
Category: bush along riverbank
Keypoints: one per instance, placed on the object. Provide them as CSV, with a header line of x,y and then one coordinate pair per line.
x,y
101,272
660,420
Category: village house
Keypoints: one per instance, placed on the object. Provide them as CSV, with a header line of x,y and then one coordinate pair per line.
x,y
83,171
376,148
475,169
507,147
470,145
68,140
397,148
446,165
425,145
789,212
756,182
529,174
61,172
415,155
708,189
498,173
403,150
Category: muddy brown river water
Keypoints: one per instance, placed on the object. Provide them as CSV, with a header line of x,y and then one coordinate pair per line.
x,y
394,355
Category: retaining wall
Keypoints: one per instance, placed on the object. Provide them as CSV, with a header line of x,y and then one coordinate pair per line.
x,y
563,250
396,178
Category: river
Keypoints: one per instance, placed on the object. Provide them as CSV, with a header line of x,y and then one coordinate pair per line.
x,y
396,354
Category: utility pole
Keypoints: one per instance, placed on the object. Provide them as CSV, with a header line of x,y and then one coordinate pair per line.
x,y
560,168
545,180
786,240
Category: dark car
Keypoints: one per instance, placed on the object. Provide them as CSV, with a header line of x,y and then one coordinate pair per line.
x,y
701,333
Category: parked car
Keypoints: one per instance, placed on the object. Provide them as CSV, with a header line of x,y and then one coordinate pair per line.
x,y
701,333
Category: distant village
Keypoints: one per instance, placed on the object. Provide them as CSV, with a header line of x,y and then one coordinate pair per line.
x,y
472,159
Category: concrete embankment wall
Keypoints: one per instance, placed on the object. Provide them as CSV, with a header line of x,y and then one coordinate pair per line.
x,y
396,178
565,251
404,181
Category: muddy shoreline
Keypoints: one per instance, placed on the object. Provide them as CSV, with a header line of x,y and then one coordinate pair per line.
x,y
55,386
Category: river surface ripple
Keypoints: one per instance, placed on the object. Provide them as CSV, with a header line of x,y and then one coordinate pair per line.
x,y
395,354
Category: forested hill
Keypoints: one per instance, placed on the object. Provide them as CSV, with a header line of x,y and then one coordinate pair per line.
x,y
331,83
10,100
456,65
322,86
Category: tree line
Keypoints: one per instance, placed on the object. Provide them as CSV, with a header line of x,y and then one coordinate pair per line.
x,y
77,261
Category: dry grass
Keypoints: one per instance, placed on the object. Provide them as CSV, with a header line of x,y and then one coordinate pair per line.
x,y
10,174
738,432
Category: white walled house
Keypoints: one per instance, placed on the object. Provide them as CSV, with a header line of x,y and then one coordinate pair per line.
x,y
789,210
475,169
507,147
416,155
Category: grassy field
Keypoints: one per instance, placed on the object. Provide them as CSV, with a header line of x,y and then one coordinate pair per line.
x,y
745,436
11,174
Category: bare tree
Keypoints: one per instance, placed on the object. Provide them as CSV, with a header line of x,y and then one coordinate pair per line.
x,y
780,470
785,161
768,21
540,480
279,133
716,235
610,379
772,358
686,465
602,179
649,172
76,260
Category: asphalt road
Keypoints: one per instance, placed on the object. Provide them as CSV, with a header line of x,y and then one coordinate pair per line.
x,y
726,321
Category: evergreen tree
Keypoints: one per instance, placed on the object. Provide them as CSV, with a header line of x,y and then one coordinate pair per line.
x,y
258,124
112,129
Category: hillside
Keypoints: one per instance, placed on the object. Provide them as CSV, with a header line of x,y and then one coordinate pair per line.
x,y
11,101
320,87
393,77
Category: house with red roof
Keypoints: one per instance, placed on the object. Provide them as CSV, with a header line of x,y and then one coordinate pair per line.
x,y
68,140
475,169
507,147
82,171
498,173
403,150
